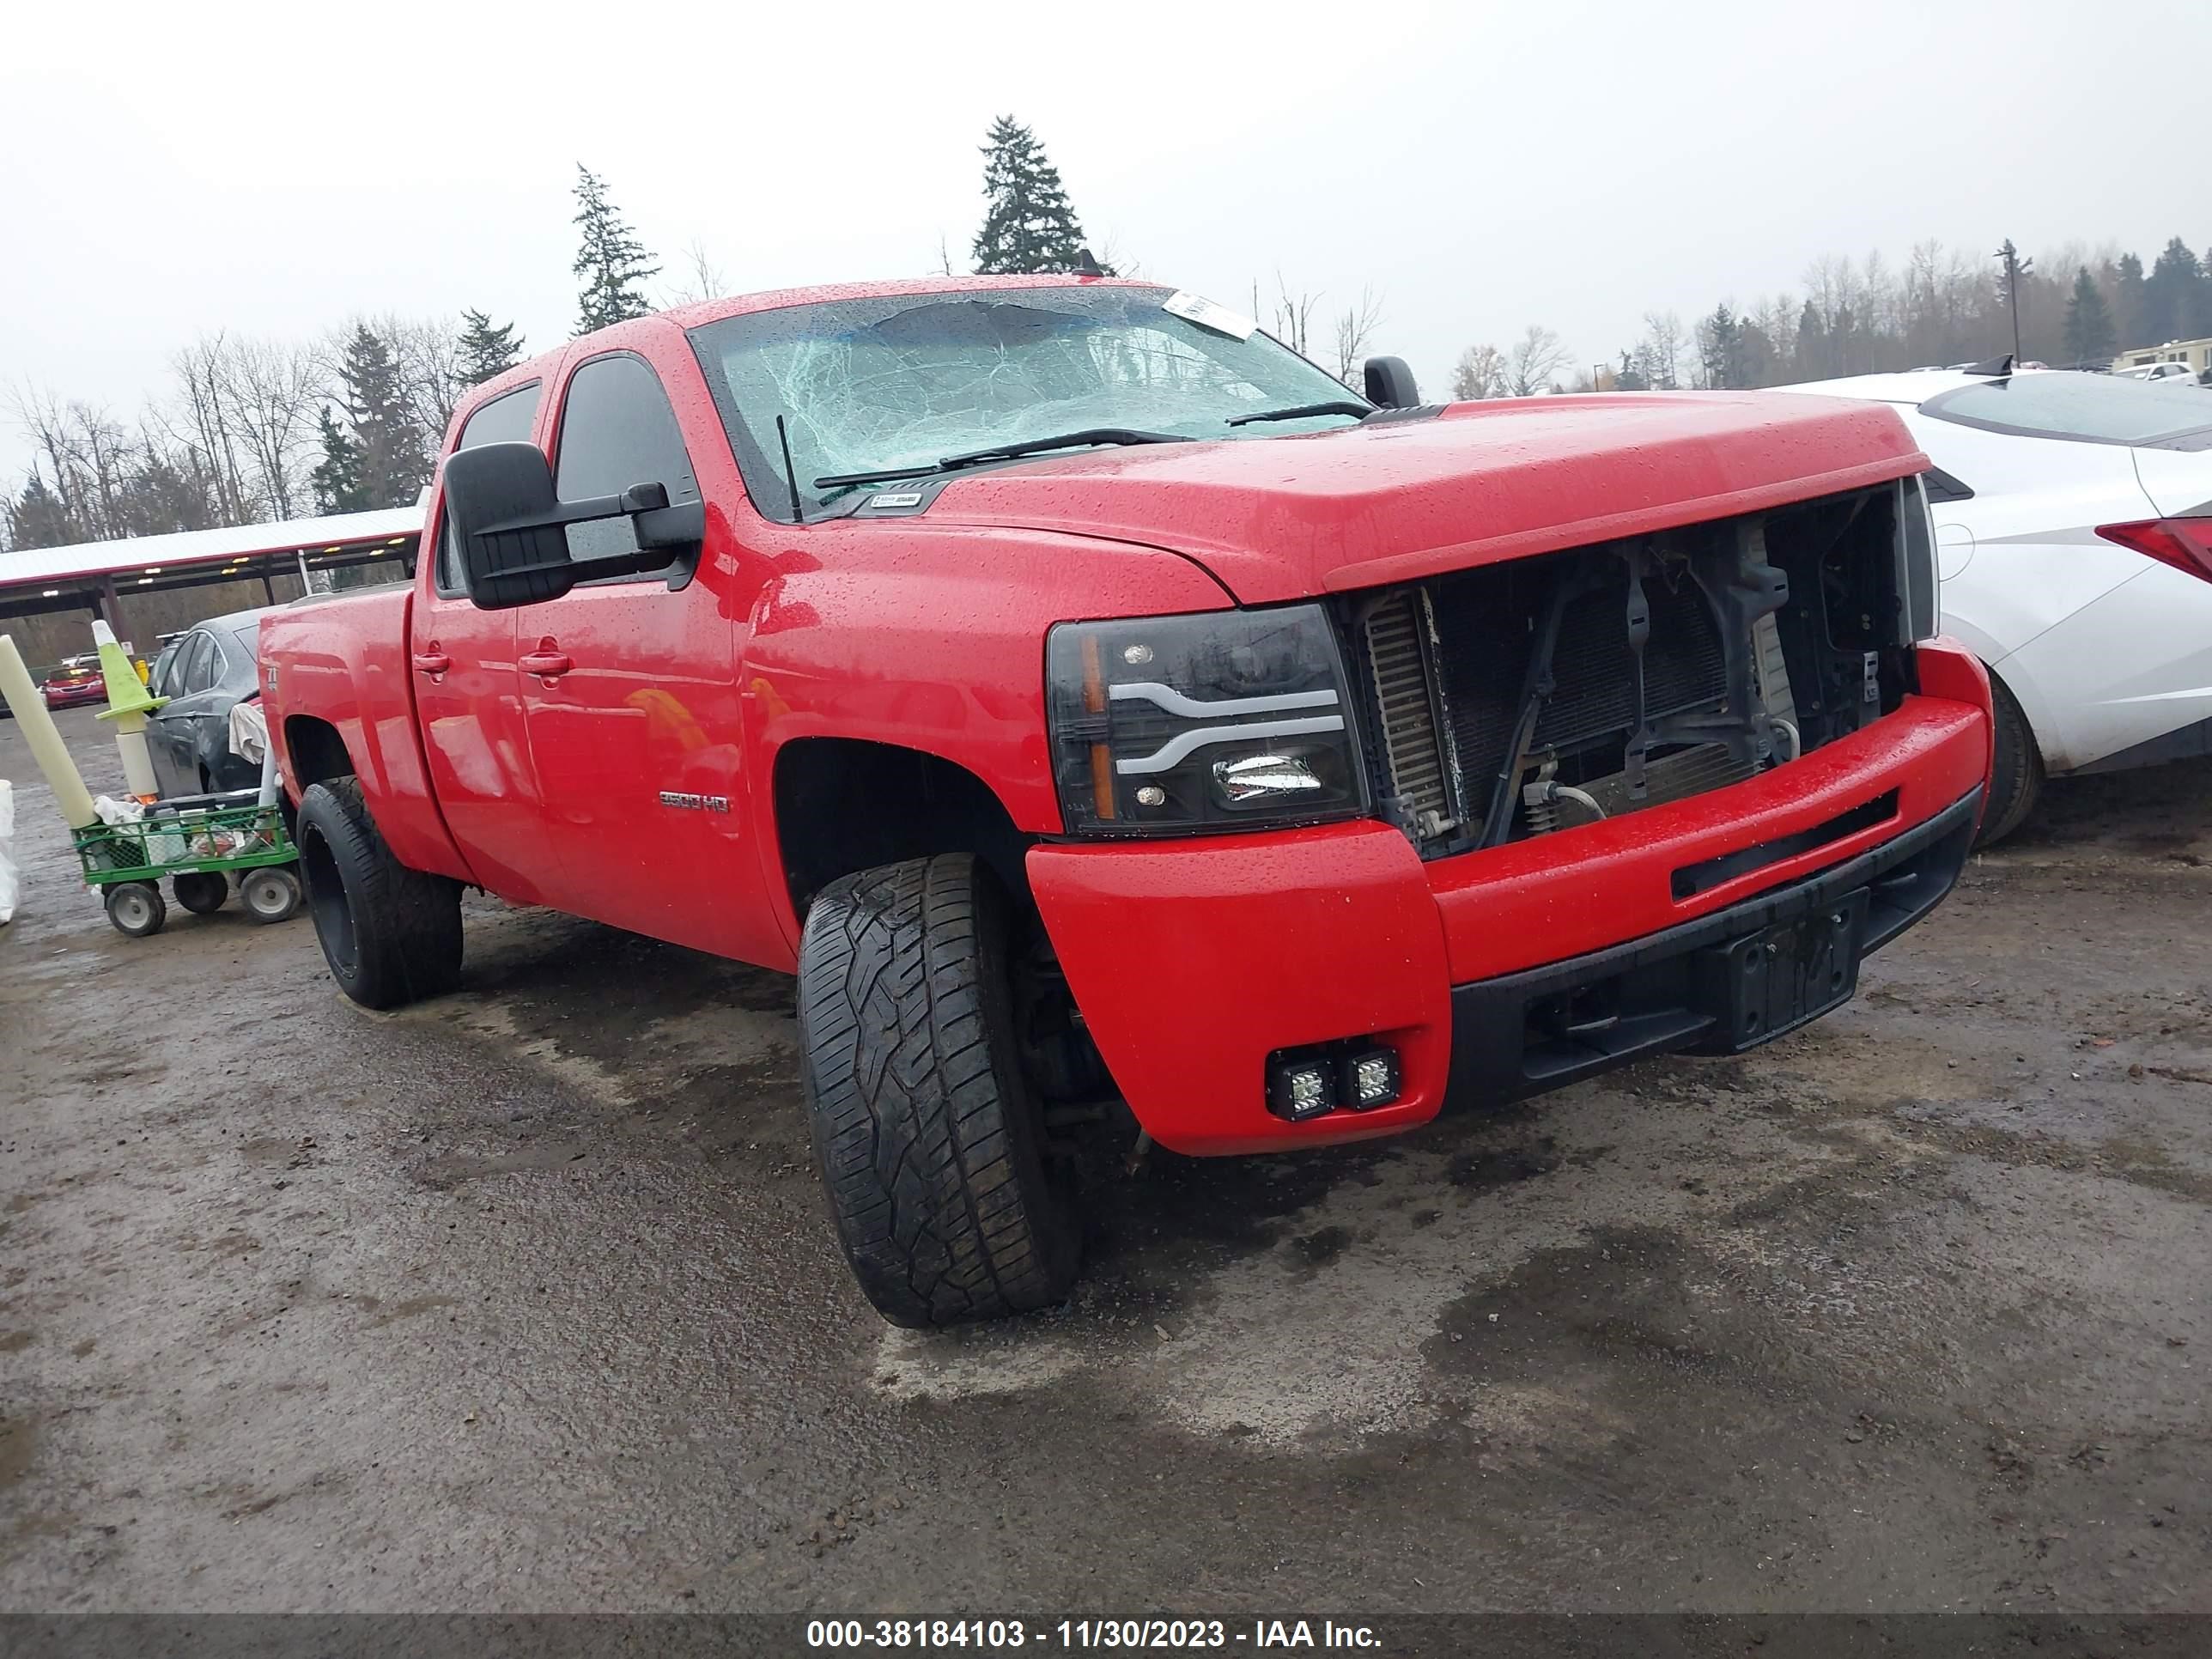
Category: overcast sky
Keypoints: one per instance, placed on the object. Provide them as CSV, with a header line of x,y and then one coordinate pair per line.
x,y
1483,166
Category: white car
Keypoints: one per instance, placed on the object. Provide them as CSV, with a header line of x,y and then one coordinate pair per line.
x,y
2177,373
2074,539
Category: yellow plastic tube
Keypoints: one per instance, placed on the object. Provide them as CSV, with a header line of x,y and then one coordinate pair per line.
x,y
39,732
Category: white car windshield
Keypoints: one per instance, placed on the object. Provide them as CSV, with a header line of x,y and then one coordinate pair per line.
x,y
892,383
2098,409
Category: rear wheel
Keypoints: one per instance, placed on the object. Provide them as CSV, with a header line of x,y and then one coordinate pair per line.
x,y
137,909
391,935
2016,778
201,892
270,894
929,1136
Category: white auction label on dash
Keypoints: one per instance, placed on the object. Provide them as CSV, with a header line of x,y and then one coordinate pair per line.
x,y
1197,308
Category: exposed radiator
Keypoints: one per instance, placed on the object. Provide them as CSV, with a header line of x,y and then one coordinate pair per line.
x,y
1412,747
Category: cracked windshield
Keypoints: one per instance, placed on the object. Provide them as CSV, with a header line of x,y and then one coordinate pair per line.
x,y
897,385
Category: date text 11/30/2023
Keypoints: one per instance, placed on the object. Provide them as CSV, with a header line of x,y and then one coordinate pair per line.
x,y
1085,1633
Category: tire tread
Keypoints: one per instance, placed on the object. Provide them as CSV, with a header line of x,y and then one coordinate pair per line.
x,y
927,1135
406,922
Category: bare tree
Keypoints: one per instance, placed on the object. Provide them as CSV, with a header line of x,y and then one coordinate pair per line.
x,y
1113,261
203,419
426,351
700,279
92,479
1659,357
1355,331
1479,372
273,388
1293,323
1536,357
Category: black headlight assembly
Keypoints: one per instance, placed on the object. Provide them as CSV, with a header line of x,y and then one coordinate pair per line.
x,y
1227,719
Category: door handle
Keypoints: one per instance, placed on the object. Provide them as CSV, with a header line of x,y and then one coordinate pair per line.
x,y
545,665
433,662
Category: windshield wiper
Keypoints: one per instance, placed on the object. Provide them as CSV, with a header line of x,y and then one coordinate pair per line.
x,y
1338,406
1097,435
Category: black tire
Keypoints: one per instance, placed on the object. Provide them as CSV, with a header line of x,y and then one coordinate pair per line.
x,y
390,935
2017,777
201,892
137,909
928,1137
270,894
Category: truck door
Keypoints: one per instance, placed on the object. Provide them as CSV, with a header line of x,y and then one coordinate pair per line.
x,y
466,696
630,683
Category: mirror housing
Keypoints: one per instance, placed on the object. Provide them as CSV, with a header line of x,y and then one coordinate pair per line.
x,y
1390,384
510,531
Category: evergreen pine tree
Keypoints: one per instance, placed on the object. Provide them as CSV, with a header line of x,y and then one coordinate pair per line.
x,y
40,518
2173,306
2089,338
392,450
1028,224
1814,361
1718,347
610,259
486,351
1628,377
2128,312
336,476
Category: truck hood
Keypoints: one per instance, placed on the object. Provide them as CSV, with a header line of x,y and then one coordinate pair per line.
x,y
1473,483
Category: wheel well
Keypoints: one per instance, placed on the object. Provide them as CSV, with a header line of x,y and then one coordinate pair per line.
x,y
318,752
843,804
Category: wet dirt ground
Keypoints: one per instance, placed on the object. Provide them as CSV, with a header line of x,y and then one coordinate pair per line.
x,y
525,1299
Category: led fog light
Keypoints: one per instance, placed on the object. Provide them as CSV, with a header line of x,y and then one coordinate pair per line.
x,y
1368,1078
1299,1089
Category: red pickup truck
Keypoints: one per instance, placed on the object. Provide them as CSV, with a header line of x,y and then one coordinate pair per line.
x,y
1097,706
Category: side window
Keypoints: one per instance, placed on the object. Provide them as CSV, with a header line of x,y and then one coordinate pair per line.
x,y
506,419
618,429
157,680
200,664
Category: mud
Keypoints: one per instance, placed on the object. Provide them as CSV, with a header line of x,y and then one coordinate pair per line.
x,y
524,1299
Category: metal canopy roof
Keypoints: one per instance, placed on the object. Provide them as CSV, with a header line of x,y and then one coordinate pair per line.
x,y
354,534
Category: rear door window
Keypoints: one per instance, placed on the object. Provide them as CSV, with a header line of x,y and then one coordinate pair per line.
x,y
506,419
618,429
202,662
240,650
2093,408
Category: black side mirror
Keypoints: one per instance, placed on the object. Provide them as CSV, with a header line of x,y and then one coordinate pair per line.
x,y
511,531
1390,384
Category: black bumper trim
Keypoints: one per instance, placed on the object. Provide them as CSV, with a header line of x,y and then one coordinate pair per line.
x,y
1542,1028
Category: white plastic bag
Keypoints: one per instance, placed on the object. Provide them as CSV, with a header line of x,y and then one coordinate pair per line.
x,y
9,884
249,731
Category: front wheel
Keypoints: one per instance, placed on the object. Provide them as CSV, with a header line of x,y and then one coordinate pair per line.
x,y
929,1137
137,909
390,935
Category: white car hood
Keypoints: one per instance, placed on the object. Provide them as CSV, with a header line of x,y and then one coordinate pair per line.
x,y
2178,481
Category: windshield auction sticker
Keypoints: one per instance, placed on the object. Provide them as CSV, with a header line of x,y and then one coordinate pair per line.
x,y
1197,308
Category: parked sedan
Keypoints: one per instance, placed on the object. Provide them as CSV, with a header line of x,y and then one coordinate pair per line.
x,y
2163,374
75,683
202,674
2074,534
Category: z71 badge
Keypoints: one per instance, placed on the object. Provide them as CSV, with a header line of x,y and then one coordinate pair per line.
x,y
691,803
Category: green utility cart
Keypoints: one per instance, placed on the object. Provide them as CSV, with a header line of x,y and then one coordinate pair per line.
x,y
196,843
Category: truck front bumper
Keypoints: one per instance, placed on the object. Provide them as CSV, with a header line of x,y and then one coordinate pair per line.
x,y
1524,967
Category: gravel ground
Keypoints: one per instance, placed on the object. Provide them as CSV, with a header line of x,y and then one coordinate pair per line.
x,y
525,1299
